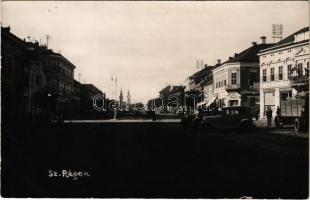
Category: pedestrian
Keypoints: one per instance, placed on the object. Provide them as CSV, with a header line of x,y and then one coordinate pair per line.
x,y
269,115
302,117
153,115
278,111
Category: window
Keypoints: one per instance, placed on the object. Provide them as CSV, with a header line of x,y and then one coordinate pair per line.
x,y
224,82
252,102
280,73
285,95
289,70
31,80
272,74
26,79
38,80
234,78
252,78
53,83
233,102
216,85
299,69
264,75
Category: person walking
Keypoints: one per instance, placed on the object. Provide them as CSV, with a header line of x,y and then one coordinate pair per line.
x,y
269,115
278,111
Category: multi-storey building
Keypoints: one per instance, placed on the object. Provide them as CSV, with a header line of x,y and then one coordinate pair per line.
x,y
236,81
88,91
35,80
284,70
204,79
22,77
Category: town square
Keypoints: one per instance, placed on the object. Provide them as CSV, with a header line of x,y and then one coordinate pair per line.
x,y
136,99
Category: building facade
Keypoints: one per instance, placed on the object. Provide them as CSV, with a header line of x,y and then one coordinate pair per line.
x,y
236,81
284,70
36,81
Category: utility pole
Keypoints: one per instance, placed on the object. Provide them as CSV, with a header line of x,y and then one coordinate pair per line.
x,y
80,77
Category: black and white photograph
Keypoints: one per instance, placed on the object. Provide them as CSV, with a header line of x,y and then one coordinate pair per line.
x,y
155,99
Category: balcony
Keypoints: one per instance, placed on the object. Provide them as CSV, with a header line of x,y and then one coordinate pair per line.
x,y
230,88
255,86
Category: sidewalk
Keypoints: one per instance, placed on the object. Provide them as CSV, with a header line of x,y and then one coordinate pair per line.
x,y
123,121
287,130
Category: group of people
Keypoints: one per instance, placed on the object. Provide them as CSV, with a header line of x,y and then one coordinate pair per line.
x,y
269,114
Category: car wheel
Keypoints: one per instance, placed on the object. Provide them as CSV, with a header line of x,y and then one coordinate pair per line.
x,y
297,125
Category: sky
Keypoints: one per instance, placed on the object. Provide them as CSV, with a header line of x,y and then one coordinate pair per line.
x,y
148,45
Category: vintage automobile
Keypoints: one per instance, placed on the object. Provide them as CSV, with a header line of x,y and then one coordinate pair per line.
x,y
294,111
227,118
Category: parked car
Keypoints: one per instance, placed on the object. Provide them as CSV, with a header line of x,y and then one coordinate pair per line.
x,y
227,118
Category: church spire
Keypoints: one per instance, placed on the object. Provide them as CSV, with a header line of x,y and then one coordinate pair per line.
x,y
121,97
128,98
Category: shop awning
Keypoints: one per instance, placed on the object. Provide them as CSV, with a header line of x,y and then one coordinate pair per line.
x,y
210,102
201,103
206,103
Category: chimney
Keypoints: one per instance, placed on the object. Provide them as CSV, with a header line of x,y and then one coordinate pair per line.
x,y
230,58
254,43
206,65
218,61
263,38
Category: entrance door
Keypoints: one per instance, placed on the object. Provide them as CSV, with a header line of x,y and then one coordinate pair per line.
x,y
269,101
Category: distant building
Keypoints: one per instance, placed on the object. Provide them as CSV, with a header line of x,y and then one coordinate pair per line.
x,y
284,70
205,85
195,81
128,102
236,81
170,94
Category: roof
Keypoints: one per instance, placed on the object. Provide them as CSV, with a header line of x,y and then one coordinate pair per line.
x,y
203,71
75,82
250,54
5,32
34,46
92,88
289,40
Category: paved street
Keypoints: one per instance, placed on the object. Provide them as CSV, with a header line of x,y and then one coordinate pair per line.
x,y
154,160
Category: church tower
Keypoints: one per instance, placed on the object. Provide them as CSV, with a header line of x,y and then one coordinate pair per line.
x,y
121,98
128,98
